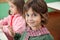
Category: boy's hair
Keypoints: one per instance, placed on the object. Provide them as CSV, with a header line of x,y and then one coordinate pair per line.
x,y
19,4
38,6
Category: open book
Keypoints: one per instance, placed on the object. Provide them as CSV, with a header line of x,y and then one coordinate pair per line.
x,y
2,35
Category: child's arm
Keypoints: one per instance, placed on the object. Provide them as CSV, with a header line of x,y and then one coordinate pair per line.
x,y
20,25
4,22
11,32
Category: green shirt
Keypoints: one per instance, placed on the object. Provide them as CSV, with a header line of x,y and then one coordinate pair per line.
x,y
41,37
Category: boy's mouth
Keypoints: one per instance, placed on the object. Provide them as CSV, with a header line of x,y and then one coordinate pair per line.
x,y
30,22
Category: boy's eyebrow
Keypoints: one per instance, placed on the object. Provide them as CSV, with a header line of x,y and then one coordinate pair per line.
x,y
26,13
34,12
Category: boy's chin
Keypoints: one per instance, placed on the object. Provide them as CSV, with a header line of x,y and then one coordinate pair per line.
x,y
32,25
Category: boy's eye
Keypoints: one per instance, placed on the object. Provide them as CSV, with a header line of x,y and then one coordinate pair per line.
x,y
35,14
27,15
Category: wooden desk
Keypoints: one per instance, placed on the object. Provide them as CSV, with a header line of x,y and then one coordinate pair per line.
x,y
54,5
54,24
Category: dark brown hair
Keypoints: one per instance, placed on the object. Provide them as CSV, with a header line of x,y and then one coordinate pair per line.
x,y
38,6
19,4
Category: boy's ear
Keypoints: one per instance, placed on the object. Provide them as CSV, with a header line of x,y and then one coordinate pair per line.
x,y
45,18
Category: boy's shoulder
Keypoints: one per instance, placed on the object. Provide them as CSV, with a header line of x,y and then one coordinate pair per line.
x,y
41,37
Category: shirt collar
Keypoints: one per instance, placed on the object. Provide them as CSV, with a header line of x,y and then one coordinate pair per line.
x,y
41,31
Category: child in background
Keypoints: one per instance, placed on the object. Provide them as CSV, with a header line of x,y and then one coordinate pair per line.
x,y
15,22
35,14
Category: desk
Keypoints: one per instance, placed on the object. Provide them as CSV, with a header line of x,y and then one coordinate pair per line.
x,y
54,5
54,24
2,35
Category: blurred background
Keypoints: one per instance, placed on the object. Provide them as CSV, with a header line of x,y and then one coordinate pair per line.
x,y
4,7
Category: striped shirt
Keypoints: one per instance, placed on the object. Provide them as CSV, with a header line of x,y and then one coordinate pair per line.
x,y
18,23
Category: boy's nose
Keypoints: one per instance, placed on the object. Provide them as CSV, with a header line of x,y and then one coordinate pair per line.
x,y
30,18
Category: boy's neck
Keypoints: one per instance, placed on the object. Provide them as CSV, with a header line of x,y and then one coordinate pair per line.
x,y
36,28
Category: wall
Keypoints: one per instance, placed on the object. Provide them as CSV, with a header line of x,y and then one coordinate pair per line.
x,y
3,0
4,7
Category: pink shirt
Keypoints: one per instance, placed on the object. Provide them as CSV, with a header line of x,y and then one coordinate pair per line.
x,y
18,23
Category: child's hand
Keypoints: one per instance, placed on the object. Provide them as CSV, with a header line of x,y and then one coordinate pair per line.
x,y
1,26
11,32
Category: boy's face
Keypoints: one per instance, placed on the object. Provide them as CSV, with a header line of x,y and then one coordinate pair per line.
x,y
13,8
33,19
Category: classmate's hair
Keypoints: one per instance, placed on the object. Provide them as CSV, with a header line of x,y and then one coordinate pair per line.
x,y
19,4
9,12
38,6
